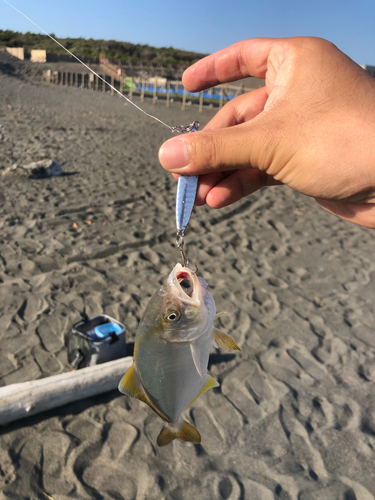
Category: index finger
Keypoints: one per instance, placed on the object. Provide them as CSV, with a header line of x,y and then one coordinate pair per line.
x,y
243,59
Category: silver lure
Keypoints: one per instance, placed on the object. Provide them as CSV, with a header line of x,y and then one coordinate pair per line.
x,y
185,197
186,191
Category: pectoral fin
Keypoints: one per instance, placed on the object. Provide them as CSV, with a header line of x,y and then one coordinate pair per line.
x,y
184,431
220,314
224,340
131,385
195,352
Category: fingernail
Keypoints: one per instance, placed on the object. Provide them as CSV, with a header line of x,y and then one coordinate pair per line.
x,y
173,154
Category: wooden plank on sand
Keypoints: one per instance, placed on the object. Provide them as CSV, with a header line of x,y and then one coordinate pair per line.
x,y
29,398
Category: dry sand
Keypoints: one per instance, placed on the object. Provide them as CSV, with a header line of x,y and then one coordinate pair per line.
x,y
294,417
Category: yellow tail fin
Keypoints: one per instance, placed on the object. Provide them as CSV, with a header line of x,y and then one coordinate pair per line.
x,y
185,432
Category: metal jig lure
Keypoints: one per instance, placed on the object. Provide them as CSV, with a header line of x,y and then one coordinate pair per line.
x,y
185,197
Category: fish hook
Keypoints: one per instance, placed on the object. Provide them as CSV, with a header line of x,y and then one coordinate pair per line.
x,y
180,246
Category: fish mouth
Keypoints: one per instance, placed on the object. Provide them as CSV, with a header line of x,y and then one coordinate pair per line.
x,y
188,285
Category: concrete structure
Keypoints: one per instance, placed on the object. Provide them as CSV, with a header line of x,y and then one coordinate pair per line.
x,y
39,56
370,69
16,52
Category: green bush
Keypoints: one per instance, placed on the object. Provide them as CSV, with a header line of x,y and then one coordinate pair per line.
x,y
124,51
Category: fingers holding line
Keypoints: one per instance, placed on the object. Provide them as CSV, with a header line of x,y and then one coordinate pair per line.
x,y
224,188
206,151
239,110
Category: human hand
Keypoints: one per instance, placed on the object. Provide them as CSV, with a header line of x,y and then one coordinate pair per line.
x,y
312,127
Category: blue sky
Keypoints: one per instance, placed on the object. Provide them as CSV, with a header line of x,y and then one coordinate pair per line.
x,y
202,26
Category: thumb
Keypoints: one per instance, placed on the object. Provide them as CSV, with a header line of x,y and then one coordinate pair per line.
x,y
242,146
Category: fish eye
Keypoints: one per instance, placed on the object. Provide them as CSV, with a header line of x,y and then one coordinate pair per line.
x,y
172,316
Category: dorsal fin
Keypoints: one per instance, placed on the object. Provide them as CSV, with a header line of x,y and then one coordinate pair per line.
x,y
131,385
185,432
224,340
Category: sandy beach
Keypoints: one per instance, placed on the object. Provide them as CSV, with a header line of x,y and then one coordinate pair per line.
x,y
294,416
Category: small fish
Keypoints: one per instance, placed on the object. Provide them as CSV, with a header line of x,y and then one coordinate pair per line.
x,y
171,352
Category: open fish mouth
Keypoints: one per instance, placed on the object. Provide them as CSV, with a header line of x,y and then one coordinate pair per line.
x,y
185,282
187,285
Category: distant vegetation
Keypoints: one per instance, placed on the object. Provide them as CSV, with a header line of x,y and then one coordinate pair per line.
x,y
112,49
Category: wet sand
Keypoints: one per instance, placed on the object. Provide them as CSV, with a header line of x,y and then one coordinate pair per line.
x,y
294,416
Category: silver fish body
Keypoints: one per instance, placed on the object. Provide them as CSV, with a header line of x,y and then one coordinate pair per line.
x,y
171,353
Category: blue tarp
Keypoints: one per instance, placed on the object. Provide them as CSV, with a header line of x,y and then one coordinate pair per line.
x,y
180,91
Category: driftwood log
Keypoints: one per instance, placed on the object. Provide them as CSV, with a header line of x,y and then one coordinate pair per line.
x,y
29,398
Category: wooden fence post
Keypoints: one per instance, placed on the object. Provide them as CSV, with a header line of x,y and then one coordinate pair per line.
x,y
131,88
168,90
221,97
113,84
142,91
103,83
200,102
154,98
183,106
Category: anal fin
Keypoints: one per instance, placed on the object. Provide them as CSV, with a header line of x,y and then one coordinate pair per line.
x,y
210,384
224,340
131,385
184,431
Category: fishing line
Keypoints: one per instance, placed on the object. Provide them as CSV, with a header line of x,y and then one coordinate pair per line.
x,y
180,128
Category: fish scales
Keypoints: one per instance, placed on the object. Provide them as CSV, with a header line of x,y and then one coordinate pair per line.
x,y
173,379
